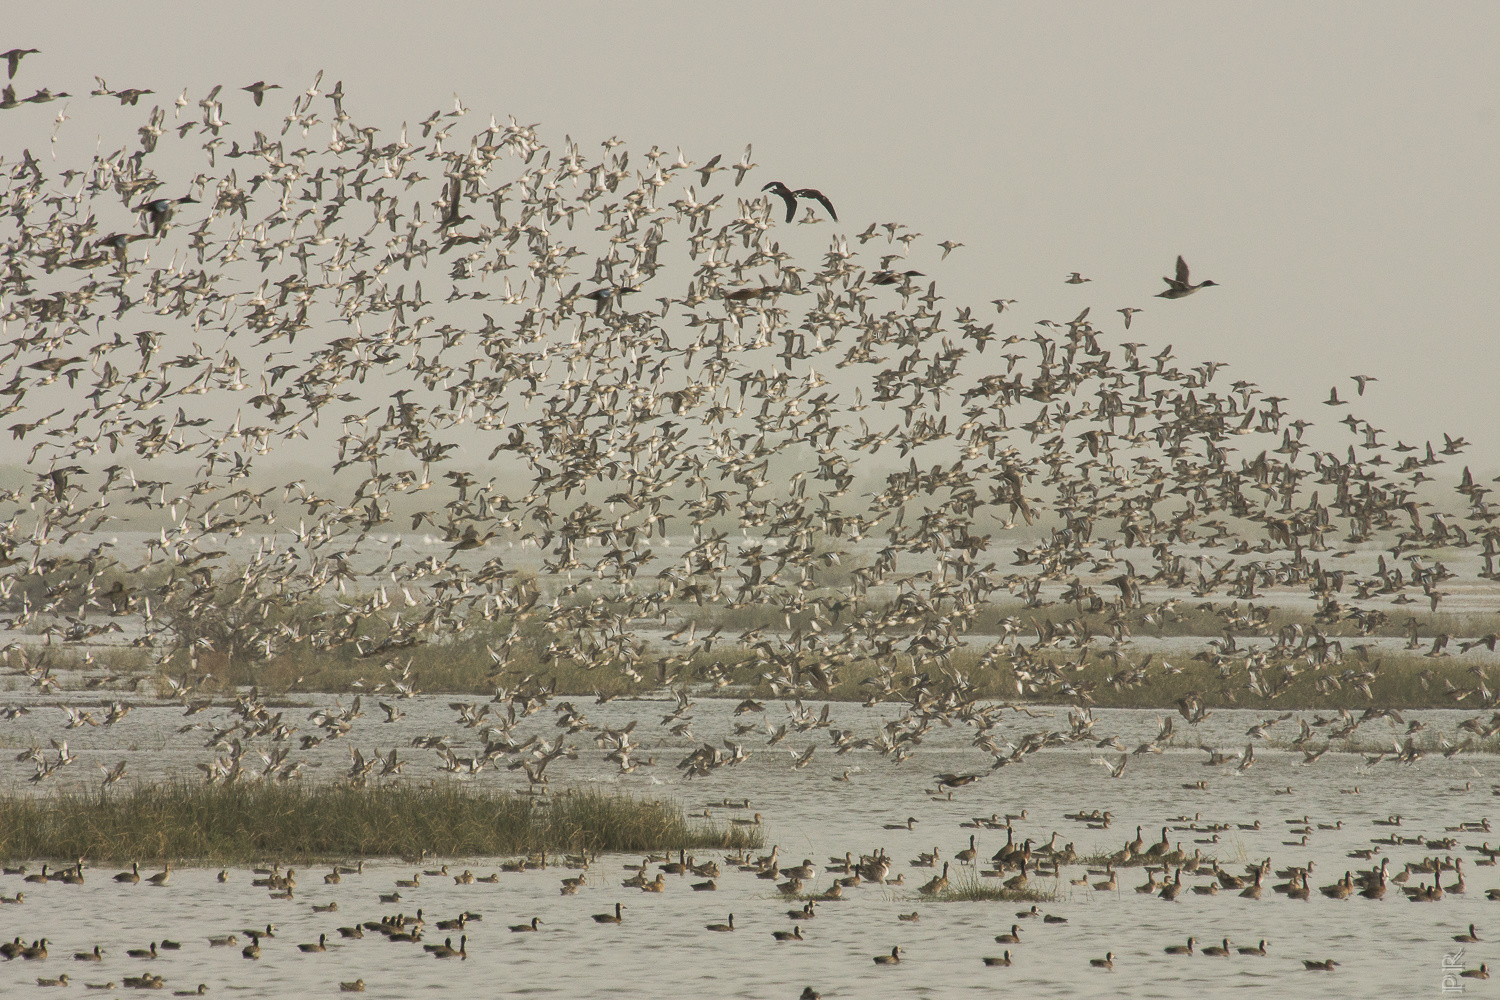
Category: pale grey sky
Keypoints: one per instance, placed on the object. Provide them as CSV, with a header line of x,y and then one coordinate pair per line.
x,y
1333,166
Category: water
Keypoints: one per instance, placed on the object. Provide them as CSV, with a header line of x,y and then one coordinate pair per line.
x,y
1391,947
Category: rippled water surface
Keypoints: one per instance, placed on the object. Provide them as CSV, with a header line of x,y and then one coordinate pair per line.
x,y
1391,947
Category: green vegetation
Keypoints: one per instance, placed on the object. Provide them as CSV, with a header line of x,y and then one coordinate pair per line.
x,y
968,887
238,824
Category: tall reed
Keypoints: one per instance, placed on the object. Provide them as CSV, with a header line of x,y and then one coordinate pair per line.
x,y
230,824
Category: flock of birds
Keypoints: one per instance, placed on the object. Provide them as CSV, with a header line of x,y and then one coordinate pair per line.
x,y
806,892
609,352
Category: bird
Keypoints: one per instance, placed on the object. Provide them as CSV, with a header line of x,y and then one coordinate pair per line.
x,y
722,927
1107,962
609,918
1182,284
790,197
893,958
13,60
258,90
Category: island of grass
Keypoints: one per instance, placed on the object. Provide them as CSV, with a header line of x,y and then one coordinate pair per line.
x,y
237,824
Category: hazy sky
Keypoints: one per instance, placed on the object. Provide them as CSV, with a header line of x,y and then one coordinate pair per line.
x,y
1333,166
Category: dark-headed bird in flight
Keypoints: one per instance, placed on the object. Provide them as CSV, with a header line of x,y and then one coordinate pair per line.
x,y
789,196
1182,284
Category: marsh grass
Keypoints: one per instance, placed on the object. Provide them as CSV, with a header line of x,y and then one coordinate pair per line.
x,y
968,887
238,824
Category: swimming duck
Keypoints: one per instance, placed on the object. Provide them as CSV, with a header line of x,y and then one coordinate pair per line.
x,y
447,952
1181,949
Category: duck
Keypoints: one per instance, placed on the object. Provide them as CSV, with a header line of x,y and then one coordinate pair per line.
x,y
721,928
1107,962
202,990
1181,949
348,932
1170,890
1003,962
1259,949
1324,966
1182,285
227,940
92,956
525,928
446,950
937,884
1054,919
609,918
133,876
709,886
1483,972
41,877
61,980
795,934
322,945
358,986
1218,950
1340,889
1469,938
894,958
910,824
909,918
143,952
161,877
36,951
1300,892
1014,937
252,950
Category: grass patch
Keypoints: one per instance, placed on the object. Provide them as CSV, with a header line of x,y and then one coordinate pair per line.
x,y
968,887
238,824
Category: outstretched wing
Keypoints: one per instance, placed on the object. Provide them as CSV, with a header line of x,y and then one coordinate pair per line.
x,y
785,194
820,198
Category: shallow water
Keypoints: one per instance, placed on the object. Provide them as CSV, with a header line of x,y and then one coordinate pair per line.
x,y
1386,948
